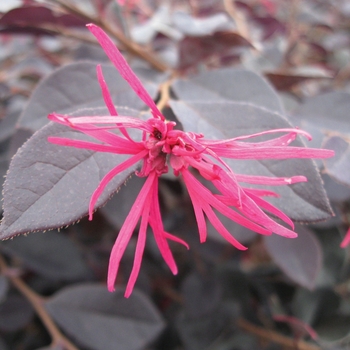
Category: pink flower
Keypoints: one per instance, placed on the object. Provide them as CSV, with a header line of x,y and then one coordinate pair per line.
x,y
161,146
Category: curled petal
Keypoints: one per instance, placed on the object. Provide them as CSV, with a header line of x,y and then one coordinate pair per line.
x,y
176,239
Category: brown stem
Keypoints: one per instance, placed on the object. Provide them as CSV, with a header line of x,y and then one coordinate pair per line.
x,y
128,45
238,17
275,337
262,333
37,301
164,95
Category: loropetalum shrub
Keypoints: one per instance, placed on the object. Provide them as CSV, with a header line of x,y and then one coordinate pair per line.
x,y
161,145
220,138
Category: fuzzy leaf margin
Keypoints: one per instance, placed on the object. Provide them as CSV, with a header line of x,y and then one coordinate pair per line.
x,y
49,186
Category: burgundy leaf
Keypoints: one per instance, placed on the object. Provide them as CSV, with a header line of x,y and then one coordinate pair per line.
x,y
339,166
299,258
52,255
49,186
15,313
100,320
305,201
75,86
39,15
284,81
228,84
196,49
324,113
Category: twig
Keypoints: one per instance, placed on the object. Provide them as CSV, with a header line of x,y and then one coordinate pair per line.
x,y
128,45
164,94
275,337
262,333
37,301
239,19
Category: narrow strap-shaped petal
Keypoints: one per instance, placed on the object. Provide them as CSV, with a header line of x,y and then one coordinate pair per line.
x,y
105,91
140,247
123,68
273,153
272,209
204,195
283,140
100,133
261,193
271,181
198,211
132,149
126,232
221,228
108,99
176,239
266,132
109,176
156,223
251,210
125,121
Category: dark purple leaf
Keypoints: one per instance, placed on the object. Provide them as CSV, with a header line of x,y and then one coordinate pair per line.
x,y
15,313
39,15
52,255
339,166
49,186
324,113
7,124
334,331
75,87
228,84
202,332
202,294
334,257
193,50
304,201
299,258
311,306
336,191
13,29
284,81
4,286
270,26
4,165
5,91
3,345
99,320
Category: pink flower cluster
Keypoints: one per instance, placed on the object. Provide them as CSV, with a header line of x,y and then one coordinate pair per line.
x,y
162,146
